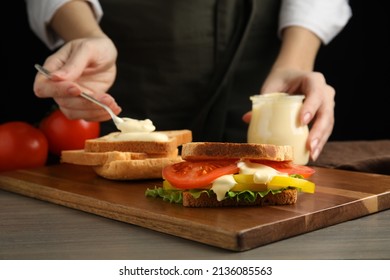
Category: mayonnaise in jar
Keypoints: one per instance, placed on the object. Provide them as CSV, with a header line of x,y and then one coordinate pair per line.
x,y
275,120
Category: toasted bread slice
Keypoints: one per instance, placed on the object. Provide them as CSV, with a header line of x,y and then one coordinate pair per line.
x,y
82,157
286,197
218,150
107,144
149,168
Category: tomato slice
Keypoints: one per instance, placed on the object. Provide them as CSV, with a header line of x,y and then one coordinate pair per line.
x,y
197,174
288,167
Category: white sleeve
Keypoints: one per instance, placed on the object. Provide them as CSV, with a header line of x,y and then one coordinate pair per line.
x,y
40,13
325,18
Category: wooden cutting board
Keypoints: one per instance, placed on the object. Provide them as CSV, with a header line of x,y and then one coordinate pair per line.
x,y
340,196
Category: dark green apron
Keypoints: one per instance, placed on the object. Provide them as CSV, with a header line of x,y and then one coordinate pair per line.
x,y
191,64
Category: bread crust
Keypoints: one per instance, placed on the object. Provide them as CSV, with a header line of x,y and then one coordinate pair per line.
x,y
105,143
219,150
286,197
149,168
82,157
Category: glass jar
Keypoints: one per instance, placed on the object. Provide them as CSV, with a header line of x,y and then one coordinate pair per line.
x,y
275,120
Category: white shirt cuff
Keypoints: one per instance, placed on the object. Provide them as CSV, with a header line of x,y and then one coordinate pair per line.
x,y
325,18
40,13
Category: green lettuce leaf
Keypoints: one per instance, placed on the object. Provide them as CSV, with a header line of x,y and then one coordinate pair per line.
x,y
176,196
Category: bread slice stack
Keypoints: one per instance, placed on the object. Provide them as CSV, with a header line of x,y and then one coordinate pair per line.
x,y
114,158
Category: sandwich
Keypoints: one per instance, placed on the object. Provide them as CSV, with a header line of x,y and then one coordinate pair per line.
x,y
130,156
214,174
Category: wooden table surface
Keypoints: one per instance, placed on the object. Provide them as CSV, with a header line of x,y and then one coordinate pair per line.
x,y
35,229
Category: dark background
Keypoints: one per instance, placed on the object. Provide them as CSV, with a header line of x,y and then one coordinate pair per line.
x,y
355,63
21,49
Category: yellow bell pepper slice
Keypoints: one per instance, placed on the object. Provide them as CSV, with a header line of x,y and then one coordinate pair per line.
x,y
167,186
243,178
303,185
245,182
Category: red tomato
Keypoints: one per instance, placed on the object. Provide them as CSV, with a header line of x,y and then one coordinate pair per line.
x,y
191,175
21,146
288,167
65,134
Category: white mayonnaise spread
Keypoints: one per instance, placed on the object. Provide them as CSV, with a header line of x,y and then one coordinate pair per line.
x,y
139,136
137,130
133,125
222,185
262,174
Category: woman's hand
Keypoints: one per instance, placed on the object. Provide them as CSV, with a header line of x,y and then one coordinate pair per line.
x,y
81,65
318,106
292,72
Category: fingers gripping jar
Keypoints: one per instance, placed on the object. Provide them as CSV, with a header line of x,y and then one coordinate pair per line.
x,y
275,120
